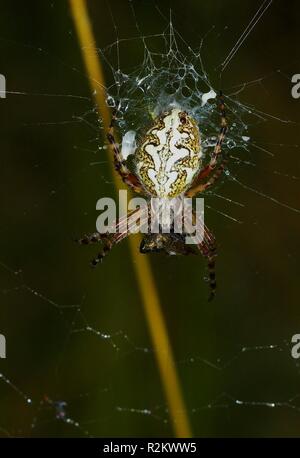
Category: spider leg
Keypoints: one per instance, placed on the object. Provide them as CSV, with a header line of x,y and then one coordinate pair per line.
x,y
110,239
203,186
223,129
208,249
96,237
120,164
89,239
197,186
108,244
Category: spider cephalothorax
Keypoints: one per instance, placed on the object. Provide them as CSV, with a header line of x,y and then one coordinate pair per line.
x,y
168,165
171,244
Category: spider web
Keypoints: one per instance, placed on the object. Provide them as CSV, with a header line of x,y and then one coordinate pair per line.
x,y
79,358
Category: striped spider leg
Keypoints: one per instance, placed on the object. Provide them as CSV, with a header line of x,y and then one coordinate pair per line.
x,y
127,176
210,170
207,247
124,226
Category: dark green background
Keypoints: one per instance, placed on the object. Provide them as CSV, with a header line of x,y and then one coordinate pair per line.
x,y
48,196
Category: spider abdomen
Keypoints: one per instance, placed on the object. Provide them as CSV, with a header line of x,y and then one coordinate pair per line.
x,y
170,154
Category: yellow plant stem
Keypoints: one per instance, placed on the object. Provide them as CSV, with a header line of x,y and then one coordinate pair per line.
x,y
152,307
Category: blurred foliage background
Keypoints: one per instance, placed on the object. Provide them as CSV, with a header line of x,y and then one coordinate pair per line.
x,y
52,174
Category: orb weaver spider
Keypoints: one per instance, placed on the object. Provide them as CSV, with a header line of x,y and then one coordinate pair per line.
x,y
168,164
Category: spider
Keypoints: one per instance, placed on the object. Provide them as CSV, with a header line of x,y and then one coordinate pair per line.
x,y
168,164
